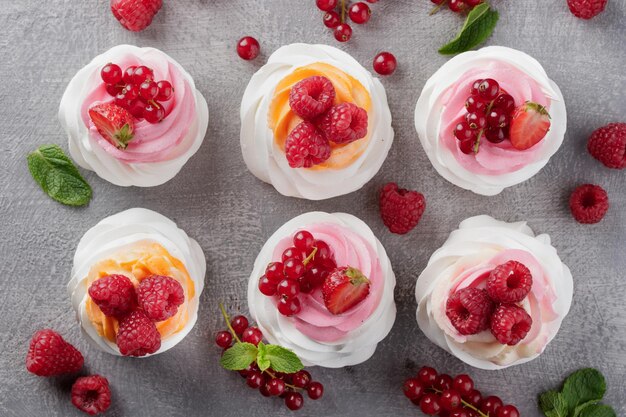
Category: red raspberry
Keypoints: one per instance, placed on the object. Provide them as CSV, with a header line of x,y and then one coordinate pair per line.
x,y
509,282
114,294
469,310
311,97
137,335
589,203
91,394
305,146
608,145
344,123
400,209
135,15
510,324
586,9
50,355
159,296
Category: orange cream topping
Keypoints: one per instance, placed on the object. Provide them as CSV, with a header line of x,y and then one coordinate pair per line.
x,y
348,89
139,262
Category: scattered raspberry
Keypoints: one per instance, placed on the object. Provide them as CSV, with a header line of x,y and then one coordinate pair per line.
x,y
400,209
137,335
114,294
344,123
305,146
589,203
510,324
608,145
469,310
50,355
509,282
135,15
586,9
311,97
159,296
91,394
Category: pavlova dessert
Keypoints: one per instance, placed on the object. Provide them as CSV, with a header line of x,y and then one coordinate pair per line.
x,y
134,116
136,282
323,287
490,119
494,295
314,123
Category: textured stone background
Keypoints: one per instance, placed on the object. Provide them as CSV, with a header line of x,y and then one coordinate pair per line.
x,y
231,213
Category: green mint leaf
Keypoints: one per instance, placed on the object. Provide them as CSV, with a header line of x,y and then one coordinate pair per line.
x,y
57,175
261,360
477,28
552,404
580,407
583,386
239,356
597,410
283,360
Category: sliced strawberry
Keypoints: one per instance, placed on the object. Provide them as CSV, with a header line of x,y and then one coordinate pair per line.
x,y
529,125
344,288
114,123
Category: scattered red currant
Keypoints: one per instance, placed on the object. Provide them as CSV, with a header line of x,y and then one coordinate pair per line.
x,y
359,13
343,32
331,19
385,63
294,401
326,5
248,48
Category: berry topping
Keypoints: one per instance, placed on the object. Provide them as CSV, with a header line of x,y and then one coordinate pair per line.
x,y
359,13
312,97
266,286
343,32
608,145
165,90
529,125
148,90
586,9
289,306
159,296
303,240
114,295
111,74
153,113
141,74
488,89
137,335
274,271
400,209
385,63
306,146
114,123
344,288
91,394
589,203
294,268
135,15
288,288
509,282
344,123
248,48
510,324
50,355
505,102
469,309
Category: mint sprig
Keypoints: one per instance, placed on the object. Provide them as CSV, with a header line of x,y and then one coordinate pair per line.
x,y
478,26
57,175
581,393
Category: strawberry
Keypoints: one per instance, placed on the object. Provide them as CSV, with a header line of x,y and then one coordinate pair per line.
x,y
344,288
135,15
114,123
529,125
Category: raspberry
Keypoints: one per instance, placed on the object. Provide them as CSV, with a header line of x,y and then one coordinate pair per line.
x,y
91,394
608,145
510,324
589,203
114,294
305,146
509,282
50,355
469,310
344,123
586,9
137,335
159,296
400,209
135,15
311,97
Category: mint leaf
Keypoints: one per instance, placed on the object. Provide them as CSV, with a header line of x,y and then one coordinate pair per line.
x,y
262,361
597,410
579,408
477,28
239,356
552,404
282,360
57,175
583,386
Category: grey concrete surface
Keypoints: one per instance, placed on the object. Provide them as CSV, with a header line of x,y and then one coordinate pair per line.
x,y
218,202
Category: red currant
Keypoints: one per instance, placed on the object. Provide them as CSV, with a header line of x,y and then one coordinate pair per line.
x,y
467,146
326,5
457,5
289,306
293,268
496,134
474,88
359,13
288,288
331,19
316,275
459,413
315,390
505,102
111,74
141,74
274,271
497,118
429,404
113,90
488,89
385,63
489,405
248,48
264,391
137,108
148,90
131,91
463,131
413,389
251,368
473,3
224,339
508,411
450,400
255,379
474,104
122,101
293,253
463,384
427,376
294,401
165,90
266,286
239,324
443,382
301,379
473,397
303,240
323,251
276,386
343,32
252,335
476,120
153,113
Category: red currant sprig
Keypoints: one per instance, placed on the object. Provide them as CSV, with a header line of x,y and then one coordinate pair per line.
x,y
456,6
337,13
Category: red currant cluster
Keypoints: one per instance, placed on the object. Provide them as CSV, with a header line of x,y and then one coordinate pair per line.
x,y
458,6
489,111
304,267
335,16
268,382
136,91
440,394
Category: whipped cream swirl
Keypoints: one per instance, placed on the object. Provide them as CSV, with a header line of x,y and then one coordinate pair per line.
x,y
315,335
268,162
441,106
124,230
158,151
465,259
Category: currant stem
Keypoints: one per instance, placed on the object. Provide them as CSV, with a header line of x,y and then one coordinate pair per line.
x,y
343,11
465,404
227,319
482,131
310,257
437,7
293,387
